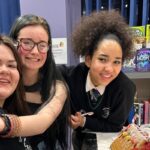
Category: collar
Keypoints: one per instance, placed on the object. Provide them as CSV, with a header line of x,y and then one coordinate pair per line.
x,y
90,85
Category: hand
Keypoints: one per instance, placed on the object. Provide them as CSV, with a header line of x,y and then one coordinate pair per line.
x,y
77,120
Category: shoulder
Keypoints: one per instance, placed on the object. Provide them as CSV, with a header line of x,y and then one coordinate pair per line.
x,y
68,69
122,81
59,92
61,88
71,71
61,85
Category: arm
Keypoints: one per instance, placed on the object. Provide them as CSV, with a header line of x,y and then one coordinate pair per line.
x,y
38,123
120,103
119,111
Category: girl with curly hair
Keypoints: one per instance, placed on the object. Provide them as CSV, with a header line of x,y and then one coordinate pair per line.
x,y
105,41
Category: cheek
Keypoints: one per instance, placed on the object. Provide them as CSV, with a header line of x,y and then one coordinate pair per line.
x,y
44,56
22,52
17,77
118,69
97,67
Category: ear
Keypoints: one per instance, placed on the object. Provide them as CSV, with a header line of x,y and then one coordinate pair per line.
x,y
88,61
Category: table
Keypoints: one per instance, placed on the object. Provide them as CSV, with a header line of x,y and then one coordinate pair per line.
x,y
98,140
104,140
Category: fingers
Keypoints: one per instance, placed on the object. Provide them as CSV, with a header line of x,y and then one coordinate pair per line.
x,y
76,120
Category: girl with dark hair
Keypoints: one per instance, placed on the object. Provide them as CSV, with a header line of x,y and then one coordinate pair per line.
x,y
40,76
98,85
12,100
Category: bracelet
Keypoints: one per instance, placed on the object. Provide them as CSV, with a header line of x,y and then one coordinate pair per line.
x,y
12,125
7,123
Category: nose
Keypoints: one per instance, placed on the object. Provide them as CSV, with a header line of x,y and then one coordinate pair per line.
x,y
35,49
4,69
109,67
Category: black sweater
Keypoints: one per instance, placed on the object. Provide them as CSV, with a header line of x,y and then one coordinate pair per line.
x,y
113,111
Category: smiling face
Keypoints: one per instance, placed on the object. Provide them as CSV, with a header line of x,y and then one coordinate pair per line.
x,y
9,75
33,59
106,62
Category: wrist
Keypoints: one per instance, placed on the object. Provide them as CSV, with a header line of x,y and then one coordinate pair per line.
x,y
2,124
6,125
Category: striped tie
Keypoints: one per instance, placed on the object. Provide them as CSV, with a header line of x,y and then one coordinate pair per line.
x,y
95,98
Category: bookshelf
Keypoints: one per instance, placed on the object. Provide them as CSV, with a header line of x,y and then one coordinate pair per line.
x,y
138,75
142,103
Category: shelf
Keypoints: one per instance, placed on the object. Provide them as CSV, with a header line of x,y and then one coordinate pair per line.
x,y
138,75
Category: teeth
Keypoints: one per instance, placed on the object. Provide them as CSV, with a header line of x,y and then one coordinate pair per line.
x,y
33,59
106,76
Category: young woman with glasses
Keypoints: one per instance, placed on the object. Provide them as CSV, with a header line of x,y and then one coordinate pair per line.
x,y
40,76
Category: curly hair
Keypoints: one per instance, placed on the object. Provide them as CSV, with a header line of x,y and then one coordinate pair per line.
x,y
94,28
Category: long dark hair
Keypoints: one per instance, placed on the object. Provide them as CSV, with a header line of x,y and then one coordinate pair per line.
x,y
48,71
59,129
16,102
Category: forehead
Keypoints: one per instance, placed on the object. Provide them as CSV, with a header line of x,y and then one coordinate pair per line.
x,y
34,31
6,53
109,47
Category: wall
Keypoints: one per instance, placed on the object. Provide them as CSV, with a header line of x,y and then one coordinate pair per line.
x,y
60,14
54,11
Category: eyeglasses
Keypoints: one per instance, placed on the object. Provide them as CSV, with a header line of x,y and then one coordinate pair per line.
x,y
28,45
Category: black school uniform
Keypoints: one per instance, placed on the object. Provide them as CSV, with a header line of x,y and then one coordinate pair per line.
x,y
112,112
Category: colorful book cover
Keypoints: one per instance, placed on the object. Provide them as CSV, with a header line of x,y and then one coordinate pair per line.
x,y
138,31
148,36
142,60
129,63
139,117
139,36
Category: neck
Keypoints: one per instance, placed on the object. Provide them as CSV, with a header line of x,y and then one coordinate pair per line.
x,y
30,77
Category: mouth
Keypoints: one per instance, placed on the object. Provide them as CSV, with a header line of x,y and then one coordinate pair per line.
x,y
4,81
106,76
33,59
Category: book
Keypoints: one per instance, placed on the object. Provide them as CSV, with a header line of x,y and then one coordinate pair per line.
x,y
148,36
146,112
138,117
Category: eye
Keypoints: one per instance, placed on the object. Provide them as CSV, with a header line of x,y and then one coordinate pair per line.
x,y
103,60
12,65
117,62
27,42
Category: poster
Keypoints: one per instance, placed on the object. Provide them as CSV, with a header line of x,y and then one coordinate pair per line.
x,y
59,49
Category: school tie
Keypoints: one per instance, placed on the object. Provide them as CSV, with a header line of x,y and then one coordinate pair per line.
x,y
95,98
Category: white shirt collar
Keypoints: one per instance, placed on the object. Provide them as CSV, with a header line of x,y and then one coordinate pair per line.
x,y
90,85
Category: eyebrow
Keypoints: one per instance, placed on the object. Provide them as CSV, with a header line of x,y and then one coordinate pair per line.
x,y
107,56
12,61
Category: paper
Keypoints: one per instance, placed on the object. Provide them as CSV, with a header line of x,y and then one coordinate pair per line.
x,y
59,49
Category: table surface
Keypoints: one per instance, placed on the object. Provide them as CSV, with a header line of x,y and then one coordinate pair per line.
x,y
104,140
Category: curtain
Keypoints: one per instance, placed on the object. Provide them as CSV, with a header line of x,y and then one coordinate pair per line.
x,y
9,11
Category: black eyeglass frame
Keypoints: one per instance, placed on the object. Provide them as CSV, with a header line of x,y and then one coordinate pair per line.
x,y
20,43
